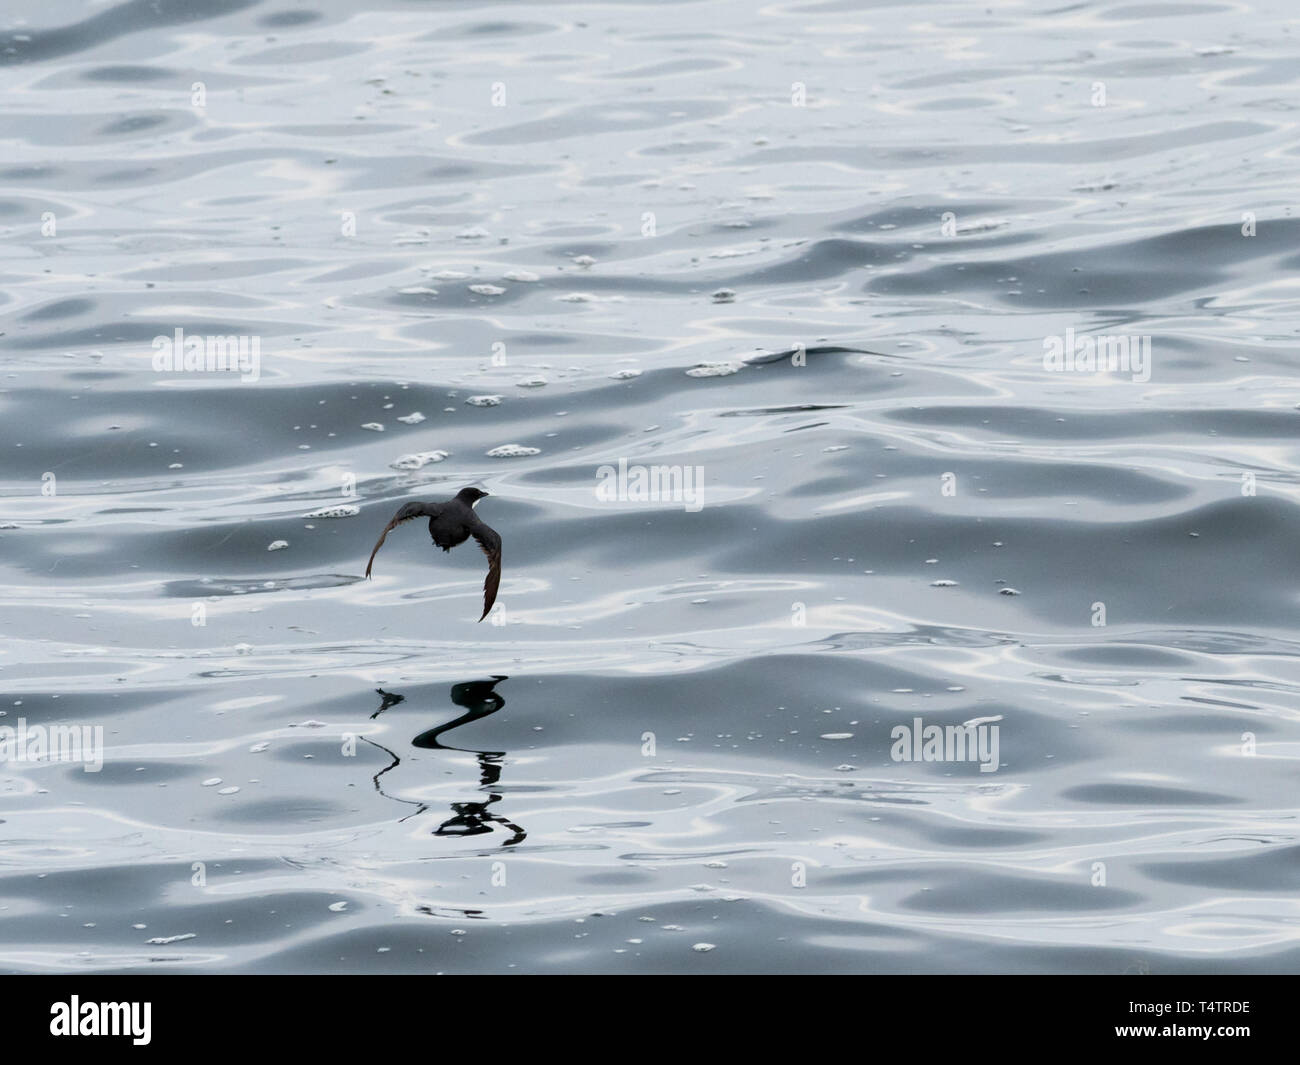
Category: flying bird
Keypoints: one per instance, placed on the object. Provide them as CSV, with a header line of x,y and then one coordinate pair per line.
x,y
450,524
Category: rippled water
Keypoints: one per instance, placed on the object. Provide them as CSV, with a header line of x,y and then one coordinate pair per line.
x,y
816,251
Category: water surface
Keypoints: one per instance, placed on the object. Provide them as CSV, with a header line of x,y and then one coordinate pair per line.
x,y
815,250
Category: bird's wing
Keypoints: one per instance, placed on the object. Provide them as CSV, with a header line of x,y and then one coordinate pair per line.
x,y
491,543
384,536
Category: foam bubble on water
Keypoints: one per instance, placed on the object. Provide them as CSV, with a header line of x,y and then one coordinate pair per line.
x,y
211,782
162,941
624,375
414,418
417,460
339,510
473,233
487,290
513,451
943,584
277,545
374,427
837,735
583,261
448,275
577,297
484,401
536,381
714,369
703,948
521,275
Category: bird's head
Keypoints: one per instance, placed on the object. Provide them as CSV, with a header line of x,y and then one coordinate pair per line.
x,y
470,496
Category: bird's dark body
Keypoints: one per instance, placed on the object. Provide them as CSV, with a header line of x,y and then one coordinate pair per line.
x,y
450,525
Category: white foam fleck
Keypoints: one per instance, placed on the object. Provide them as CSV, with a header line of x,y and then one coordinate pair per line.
x,y
417,460
714,369
339,510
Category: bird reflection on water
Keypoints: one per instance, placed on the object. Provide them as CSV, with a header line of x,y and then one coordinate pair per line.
x,y
480,699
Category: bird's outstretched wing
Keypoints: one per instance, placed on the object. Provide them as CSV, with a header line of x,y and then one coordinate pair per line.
x,y
491,543
398,518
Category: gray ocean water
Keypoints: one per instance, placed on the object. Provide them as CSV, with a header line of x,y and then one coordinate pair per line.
x,y
812,261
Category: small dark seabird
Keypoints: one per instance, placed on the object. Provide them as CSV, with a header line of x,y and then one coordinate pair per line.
x,y
450,524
